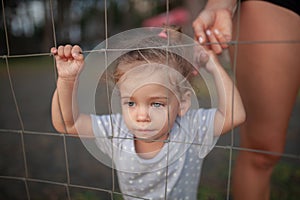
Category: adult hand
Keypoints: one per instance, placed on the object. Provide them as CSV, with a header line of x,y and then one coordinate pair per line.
x,y
214,26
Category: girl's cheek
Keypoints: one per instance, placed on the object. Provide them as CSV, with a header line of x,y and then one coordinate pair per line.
x,y
160,117
159,113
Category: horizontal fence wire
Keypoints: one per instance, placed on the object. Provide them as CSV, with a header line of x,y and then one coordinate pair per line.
x,y
68,184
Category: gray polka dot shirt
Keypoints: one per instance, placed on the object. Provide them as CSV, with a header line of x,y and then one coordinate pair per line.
x,y
174,172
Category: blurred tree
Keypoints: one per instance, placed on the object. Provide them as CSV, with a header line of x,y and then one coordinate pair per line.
x,y
30,27
63,20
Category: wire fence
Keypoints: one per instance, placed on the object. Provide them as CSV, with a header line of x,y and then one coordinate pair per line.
x,y
38,163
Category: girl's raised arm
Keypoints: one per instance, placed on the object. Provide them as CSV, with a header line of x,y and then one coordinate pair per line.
x,y
65,115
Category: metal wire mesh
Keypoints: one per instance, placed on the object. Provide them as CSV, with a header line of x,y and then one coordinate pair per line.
x,y
68,183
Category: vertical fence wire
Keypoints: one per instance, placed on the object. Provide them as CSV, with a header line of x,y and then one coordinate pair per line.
x,y
67,184
113,191
15,103
167,142
232,102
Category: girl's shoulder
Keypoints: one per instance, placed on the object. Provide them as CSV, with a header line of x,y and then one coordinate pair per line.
x,y
108,124
201,113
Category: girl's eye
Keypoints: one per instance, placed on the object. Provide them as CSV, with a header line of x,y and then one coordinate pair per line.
x,y
157,105
130,104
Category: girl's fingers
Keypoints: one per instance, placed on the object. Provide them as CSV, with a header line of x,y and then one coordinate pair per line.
x,y
215,46
67,51
60,51
200,58
212,62
221,38
77,53
203,58
53,51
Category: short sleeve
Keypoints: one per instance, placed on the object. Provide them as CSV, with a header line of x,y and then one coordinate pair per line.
x,y
104,127
101,125
207,137
203,124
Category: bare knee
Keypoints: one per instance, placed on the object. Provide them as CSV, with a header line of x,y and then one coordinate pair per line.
x,y
263,161
265,145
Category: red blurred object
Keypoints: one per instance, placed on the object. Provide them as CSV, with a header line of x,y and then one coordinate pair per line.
x,y
177,16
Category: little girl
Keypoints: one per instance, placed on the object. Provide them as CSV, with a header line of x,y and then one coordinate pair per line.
x,y
158,142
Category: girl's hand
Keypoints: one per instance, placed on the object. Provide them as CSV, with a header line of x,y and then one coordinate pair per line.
x,y
214,27
69,61
207,60
213,63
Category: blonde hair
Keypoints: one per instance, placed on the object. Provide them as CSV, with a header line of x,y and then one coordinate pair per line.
x,y
152,50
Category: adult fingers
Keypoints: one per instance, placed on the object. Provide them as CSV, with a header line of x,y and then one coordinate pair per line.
x,y
199,30
224,24
215,46
205,19
221,38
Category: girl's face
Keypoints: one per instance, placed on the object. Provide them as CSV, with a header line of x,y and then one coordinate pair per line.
x,y
149,111
149,104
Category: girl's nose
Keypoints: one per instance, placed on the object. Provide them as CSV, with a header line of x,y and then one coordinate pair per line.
x,y
143,114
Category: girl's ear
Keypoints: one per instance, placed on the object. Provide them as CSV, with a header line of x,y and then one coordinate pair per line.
x,y
185,103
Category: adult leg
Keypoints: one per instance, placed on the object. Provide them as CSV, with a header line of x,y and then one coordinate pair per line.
x,y
268,78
